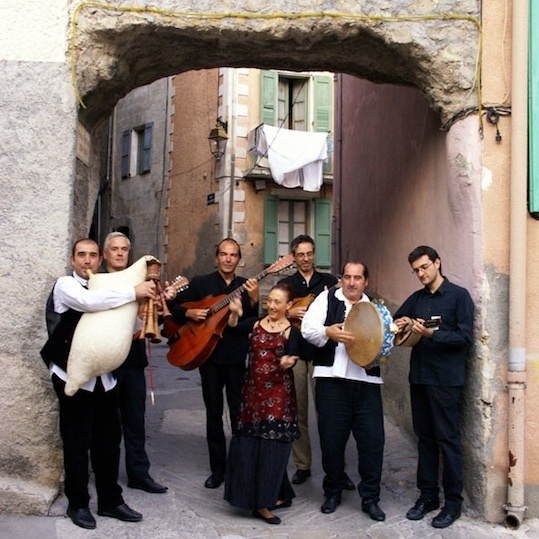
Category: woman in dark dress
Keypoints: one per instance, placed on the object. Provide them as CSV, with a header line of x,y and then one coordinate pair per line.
x,y
256,476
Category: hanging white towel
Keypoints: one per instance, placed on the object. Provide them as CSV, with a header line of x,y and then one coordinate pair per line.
x,y
296,158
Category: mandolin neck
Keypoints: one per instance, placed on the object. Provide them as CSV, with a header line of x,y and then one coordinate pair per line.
x,y
236,293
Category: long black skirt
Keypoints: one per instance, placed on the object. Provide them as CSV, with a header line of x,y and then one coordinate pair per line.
x,y
256,472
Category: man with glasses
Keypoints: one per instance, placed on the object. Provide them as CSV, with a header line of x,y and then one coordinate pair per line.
x,y
304,283
437,374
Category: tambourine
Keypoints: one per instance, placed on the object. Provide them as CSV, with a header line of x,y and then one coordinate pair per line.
x,y
373,328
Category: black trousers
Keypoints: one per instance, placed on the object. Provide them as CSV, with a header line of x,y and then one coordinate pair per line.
x,y
215,378
346,406
435,411
132,400
90,422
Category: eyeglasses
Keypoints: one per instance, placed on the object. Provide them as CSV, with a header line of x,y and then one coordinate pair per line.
x,y
422,268
310,254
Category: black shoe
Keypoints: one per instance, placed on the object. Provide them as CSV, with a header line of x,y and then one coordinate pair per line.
x,y
330,503
422,507
282,505
301,476
445,518
372,509
349,485
82,518
122,512
270,520
148,485
214,481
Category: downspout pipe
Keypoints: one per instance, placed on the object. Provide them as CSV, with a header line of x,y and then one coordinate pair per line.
x,y
516,376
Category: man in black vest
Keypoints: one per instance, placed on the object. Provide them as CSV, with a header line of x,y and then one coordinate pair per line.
x,y
131,385
348,397
225,368
89,420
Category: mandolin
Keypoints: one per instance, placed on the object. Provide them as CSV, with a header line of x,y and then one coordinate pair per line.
x,y
407,337
192,343
303,301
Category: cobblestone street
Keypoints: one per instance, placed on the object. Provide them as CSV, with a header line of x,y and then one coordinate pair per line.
x,y
177,448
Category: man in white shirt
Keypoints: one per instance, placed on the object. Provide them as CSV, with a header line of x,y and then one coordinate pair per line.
x,y
348,397
89,420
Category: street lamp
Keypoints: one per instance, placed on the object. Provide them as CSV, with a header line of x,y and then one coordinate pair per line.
x,y
218,138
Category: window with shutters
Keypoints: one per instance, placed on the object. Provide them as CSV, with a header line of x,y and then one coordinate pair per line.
x,y
137,150
284,219
301,103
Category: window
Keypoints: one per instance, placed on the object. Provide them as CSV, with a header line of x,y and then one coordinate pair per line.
x,y
137,150
284,219
299,103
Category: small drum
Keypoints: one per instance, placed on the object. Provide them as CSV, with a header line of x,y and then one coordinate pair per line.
x,y
372,325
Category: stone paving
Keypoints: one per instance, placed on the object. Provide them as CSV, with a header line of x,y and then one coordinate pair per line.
x,y
177,448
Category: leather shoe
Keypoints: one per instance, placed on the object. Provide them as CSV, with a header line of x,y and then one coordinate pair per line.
x,y
282,505
422,507
301,476
270,520
148,485
121,512
214,481
372,509
82,518
349,485
330,503
445,518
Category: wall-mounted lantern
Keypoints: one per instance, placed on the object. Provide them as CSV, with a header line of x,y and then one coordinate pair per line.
x,y
218,138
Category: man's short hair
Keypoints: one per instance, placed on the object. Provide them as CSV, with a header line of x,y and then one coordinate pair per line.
x,y
115,235
227,240
422,250
302,238
81,240
365,268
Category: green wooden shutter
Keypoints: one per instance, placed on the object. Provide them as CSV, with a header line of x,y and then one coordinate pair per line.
x,y
126,153
533,112
323,110
322,231
271,228
268,97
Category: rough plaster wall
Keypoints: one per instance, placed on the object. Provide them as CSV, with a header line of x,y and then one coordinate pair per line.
x,y
37,156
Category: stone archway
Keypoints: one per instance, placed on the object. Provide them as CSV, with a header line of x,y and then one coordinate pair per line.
x,y
118,49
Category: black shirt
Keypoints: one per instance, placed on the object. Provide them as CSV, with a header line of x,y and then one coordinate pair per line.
x,y
441,359
229,349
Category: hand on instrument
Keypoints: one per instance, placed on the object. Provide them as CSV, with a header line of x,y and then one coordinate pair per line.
x,y
197,315
236,312
337,333
401,323
418,327
251,285
296,313
146,289
288,361
169,291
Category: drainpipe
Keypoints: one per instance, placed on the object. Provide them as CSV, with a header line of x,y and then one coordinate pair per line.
x,y
232,139
516,376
